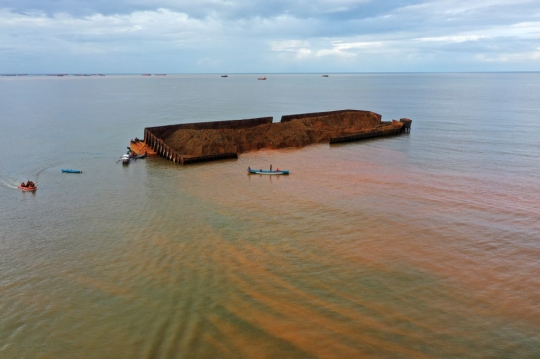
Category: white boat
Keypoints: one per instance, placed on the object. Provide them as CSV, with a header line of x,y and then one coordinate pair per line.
x,y
125,159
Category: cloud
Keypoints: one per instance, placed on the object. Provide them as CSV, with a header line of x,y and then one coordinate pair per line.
x,y
159,25
351,49
452,39
300,48
229,9
342,35
513,57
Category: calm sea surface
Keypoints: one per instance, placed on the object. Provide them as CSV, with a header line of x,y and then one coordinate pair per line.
x,y
424,245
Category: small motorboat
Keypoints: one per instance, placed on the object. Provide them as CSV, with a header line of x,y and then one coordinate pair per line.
x,y
125,159
27,187
267,172
262,78
224,76
65,170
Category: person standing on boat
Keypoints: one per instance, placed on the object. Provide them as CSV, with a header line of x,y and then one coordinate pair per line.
x,y
270,168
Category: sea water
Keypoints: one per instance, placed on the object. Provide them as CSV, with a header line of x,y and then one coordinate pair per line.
x,y
421,245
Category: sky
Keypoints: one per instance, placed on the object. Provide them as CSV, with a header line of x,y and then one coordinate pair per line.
x,y
268,36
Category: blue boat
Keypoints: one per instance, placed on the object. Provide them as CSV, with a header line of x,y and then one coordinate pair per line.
x,y
267,172
70,171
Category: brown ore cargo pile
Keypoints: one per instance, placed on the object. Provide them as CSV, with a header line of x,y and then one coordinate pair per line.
x,y
292,131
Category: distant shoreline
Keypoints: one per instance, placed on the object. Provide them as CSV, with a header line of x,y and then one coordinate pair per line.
x,y
83,74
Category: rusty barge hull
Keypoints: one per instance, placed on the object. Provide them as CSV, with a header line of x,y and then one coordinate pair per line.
x,y
210,141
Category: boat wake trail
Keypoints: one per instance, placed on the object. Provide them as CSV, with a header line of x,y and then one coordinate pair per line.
x,y
11,184
15,178
46,168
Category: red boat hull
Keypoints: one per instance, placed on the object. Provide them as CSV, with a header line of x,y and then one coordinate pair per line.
x,y
27,189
